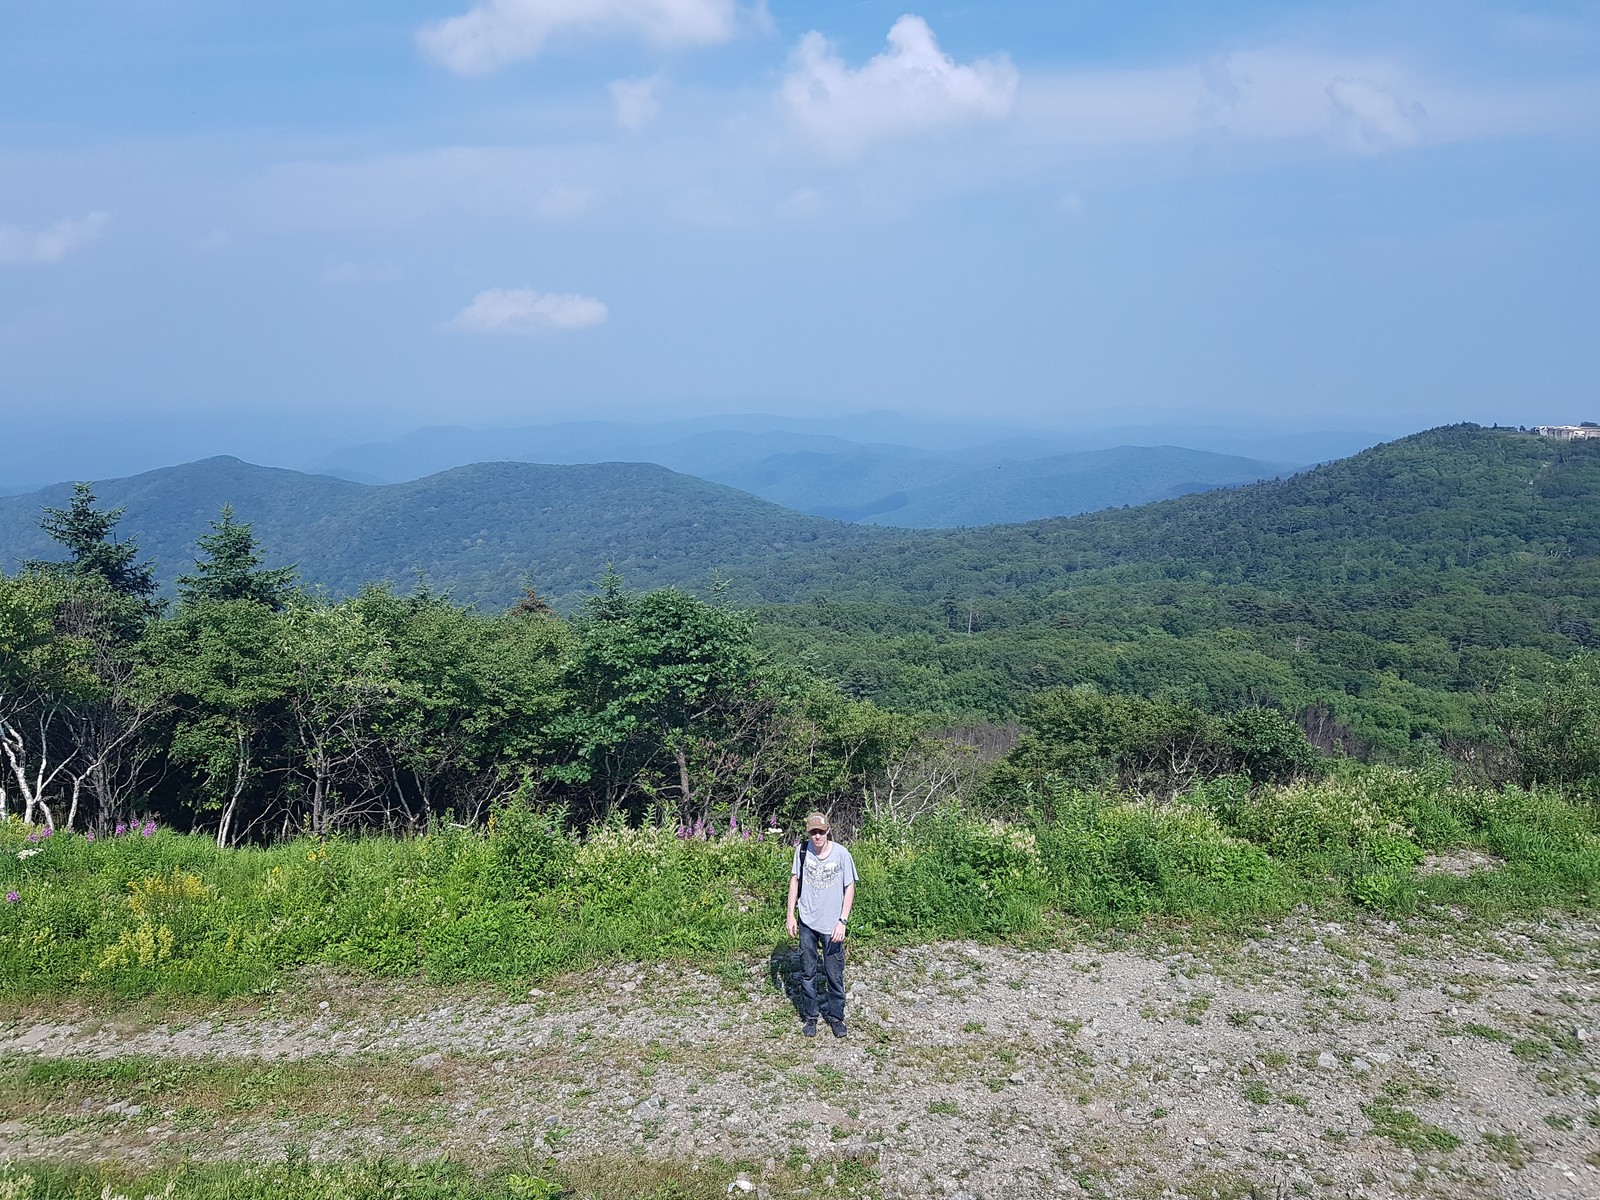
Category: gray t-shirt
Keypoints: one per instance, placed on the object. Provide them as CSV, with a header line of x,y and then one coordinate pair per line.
x,y
822,890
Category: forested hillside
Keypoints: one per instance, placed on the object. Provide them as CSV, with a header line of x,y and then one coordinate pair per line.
x,y
1380,592
1386,588
479,531
1011,490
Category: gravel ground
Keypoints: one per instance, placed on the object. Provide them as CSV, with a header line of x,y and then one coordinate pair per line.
x,y
1318,1059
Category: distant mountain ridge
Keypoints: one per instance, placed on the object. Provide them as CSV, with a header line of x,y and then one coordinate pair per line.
x,y
1436,502
985,481
479,530
1011,491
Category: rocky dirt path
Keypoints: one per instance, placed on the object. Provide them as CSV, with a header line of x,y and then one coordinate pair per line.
x,y
1313,1059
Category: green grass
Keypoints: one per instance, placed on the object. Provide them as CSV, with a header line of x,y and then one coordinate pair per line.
x,y
170,914
599,1178
39,1091
1404,1128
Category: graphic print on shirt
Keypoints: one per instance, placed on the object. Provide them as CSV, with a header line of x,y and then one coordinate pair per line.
x,y
822,873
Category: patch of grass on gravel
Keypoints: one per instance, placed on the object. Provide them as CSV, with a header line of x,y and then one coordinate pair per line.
x,y
1507,1149
606,1178
310,1087
1404,1128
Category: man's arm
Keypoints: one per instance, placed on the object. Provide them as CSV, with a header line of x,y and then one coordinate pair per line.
x,y
844,911
794,894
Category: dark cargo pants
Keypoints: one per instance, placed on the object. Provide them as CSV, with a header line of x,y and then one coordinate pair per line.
x,y
820,949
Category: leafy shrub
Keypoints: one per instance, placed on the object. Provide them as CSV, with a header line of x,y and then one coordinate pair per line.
x,y
949,872
532,849
1116,859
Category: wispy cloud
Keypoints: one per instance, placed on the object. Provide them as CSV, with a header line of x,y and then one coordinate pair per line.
x,y
52,243
498,32
802,204
1369,118
911,87
563,202
523,311
635,101
1354,103
344,273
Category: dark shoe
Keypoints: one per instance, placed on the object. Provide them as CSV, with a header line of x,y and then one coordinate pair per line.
x,y
809,1029
839,1028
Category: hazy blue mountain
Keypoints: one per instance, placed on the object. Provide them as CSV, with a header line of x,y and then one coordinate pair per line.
x,y
725,445
1397,517
479,530
892,483
1062,485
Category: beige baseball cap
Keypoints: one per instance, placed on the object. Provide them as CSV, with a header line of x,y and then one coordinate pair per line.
x,y
816,821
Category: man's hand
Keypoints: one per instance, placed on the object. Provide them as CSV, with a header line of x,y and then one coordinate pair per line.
x,y
838,932
794,926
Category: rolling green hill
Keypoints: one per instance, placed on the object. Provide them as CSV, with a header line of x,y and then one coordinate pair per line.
x,y
1013,490
477,530
1386,588
1382,590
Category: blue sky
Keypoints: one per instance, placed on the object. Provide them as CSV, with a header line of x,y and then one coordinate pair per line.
x,y
1316,216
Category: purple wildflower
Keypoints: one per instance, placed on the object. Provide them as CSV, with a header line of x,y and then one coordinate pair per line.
x,y
89,837
148,830
683,831
33,837
121,829
49,831
12,897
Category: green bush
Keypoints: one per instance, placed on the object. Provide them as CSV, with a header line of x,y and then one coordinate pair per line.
x,y
1117,859
950,872
150,912
531,846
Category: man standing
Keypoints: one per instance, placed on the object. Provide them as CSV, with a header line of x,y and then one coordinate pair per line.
x,y
823,881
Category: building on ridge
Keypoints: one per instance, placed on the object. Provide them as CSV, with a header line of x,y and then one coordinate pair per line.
x,y
1568,433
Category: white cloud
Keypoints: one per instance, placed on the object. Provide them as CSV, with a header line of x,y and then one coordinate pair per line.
x,y
346,273
1267,94
912,87
497,32
562,202
635,101
802,204
51,244
1371,119
523,310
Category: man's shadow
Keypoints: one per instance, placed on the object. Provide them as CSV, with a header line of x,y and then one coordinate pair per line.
x,y
783,972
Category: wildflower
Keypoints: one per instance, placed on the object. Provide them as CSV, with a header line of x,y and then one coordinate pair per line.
x,y
33,837
26,853
49,831
89,837
13,897
121,829
148,830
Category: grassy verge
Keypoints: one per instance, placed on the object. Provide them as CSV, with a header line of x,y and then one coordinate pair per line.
x,y
381,1179
154,912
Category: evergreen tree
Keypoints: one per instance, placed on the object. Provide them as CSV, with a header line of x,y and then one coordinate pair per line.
x,y
231,568
86,533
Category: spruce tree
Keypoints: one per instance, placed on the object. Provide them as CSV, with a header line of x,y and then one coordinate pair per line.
x,y
85,531
230,568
